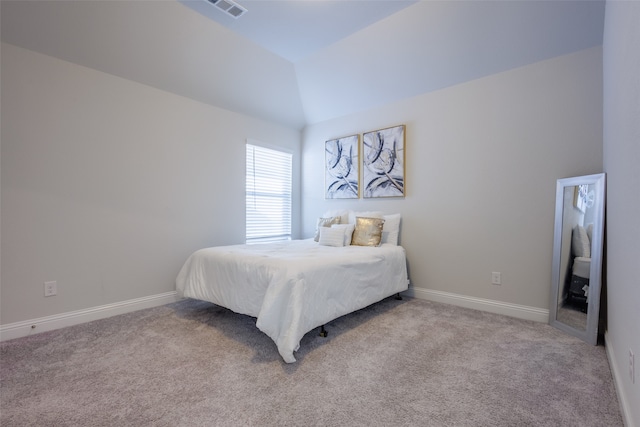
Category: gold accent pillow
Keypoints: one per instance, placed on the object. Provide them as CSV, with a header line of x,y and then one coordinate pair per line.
x,y
325,222
368,231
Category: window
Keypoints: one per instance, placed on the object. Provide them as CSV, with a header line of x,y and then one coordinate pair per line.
x,y
268,195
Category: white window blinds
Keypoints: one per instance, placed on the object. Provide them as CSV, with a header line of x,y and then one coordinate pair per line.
x,y
268,195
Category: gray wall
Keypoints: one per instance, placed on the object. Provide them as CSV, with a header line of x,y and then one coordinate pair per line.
x,y
108,185
482,160
621,60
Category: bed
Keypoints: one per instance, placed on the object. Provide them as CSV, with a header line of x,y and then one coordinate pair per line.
x,y
292,287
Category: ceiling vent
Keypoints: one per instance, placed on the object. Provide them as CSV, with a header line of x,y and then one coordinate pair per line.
x,y
229,7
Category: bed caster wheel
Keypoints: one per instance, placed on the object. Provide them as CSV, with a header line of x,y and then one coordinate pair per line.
x,y
323,332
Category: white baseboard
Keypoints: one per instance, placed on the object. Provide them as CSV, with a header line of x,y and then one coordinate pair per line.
x,y
625,408
49,323
491,306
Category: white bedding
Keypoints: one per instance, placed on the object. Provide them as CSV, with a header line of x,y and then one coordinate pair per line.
x,y
294,286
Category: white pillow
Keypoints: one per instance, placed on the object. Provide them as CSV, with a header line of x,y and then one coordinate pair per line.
x,y
343,214
348,231
369,214
330,236
580,242
325,222
391,229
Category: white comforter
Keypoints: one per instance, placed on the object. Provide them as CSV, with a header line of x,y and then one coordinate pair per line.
x,y
295,286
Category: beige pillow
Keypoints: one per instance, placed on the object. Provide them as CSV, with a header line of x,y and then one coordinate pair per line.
x,y
325,222
368,231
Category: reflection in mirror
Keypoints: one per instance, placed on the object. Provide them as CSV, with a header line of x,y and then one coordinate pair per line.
x,y
577,256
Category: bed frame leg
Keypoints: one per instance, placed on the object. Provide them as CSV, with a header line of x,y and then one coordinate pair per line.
x,y
323,331
398,296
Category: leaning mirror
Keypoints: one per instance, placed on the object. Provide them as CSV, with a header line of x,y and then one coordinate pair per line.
x,y
577,256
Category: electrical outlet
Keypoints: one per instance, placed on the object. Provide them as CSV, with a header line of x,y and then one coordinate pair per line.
x,y
496,278
50,288
632,367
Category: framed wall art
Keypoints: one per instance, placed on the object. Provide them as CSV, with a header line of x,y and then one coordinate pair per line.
x,y
342,174
383,160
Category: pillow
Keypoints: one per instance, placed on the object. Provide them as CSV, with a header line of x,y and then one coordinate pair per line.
x,y
369,214
325,222
368,231
580,242
331,236
348,231
391,229
343,214
590,231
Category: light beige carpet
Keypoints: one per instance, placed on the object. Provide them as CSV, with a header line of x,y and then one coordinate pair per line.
x,y
396,363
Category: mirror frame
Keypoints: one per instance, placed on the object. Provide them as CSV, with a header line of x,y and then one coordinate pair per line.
x,y
590,334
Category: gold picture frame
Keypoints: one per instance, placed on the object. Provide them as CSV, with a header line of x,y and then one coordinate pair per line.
x,y
383,159
580,197
342,168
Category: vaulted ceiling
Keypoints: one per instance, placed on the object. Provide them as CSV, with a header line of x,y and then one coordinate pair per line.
x,y
303,61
